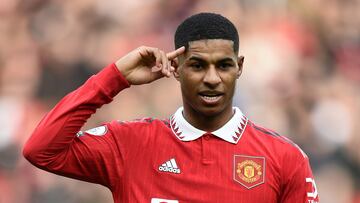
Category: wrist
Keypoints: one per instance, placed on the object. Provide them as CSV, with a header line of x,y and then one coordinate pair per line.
x,y
120,66
111,80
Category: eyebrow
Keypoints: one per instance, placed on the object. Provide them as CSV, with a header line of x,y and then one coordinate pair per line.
x,y
196,58
227,59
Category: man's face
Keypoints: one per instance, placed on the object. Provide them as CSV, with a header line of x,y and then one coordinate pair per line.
x,y
207,73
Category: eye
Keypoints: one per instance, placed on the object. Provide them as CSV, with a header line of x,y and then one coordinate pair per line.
x,y
225,65
196,66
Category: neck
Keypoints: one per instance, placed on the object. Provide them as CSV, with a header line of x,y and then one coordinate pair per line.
x,y
205,122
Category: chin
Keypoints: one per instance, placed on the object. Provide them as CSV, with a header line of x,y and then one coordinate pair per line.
x,y
210,111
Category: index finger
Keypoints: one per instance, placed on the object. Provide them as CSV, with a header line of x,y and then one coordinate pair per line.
x,y
176,53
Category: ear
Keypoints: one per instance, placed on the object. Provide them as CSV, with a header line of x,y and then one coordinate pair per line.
x,y
240,64
175,64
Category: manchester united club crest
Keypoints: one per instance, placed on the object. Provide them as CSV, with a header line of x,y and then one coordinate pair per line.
x,y
249,171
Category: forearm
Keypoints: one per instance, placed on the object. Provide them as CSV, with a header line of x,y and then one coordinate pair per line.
x,y
57,130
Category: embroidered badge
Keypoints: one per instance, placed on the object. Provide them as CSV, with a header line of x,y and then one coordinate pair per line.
x,y
249,171
159,200
98,131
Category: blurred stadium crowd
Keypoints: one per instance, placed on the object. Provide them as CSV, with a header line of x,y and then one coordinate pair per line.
x,y
301,78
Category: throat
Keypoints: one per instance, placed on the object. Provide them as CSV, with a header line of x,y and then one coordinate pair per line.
x,y
206,122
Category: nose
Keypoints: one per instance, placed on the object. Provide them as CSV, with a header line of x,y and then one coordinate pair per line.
x,y
212,77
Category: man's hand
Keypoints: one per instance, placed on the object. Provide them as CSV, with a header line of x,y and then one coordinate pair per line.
x,y
146,64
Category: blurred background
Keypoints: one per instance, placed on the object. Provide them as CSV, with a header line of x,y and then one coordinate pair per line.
x,y
301,78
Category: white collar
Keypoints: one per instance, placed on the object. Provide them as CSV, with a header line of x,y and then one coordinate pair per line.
x,y
230,132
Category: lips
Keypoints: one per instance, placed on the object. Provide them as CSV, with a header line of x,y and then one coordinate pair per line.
x,y
211,97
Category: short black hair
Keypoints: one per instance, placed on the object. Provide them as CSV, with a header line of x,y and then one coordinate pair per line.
x,y
204,26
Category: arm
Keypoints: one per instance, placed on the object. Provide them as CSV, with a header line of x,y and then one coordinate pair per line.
x,y
54,146
300,186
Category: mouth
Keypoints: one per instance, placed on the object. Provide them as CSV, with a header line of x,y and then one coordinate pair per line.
x,y
210,97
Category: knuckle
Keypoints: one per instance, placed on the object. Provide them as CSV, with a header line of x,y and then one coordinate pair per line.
x,y
142,47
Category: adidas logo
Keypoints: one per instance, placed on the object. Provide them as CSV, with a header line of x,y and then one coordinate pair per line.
x,y
170,166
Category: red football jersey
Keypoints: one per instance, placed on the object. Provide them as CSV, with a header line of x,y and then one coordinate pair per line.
x,y
152,160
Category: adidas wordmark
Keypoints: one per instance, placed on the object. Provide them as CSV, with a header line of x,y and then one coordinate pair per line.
x,y
169,166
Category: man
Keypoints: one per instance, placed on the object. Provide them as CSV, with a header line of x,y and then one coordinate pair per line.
x,y
208,151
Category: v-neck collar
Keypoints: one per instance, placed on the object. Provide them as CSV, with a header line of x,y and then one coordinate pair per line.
x,y
230,132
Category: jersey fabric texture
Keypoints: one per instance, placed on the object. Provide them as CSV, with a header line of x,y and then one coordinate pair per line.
x,y
169,160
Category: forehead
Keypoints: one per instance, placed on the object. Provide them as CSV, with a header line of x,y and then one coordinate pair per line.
x,y
217,48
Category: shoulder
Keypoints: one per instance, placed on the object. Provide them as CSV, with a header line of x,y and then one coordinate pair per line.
x,y
139,121
141,127
142,122
123,128
276,142
138,125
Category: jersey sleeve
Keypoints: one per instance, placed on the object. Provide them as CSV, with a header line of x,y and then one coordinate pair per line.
x,y
57,147
299,185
